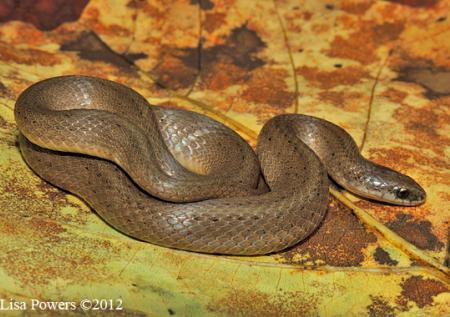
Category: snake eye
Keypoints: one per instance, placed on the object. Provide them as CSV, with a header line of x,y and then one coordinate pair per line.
x,y
402,193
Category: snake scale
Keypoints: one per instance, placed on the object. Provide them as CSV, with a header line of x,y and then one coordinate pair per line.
x,y
183,180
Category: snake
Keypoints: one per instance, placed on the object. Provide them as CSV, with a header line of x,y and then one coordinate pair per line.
x,y
182,180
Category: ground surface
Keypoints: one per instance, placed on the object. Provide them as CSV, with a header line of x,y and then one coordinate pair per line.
x,y
379,69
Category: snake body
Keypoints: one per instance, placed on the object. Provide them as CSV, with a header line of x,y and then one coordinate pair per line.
x,y
182,180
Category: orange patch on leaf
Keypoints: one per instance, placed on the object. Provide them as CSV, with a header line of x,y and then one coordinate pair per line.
x,y
421,291
356,7
394,95
268,86
418,232
329,79
256,304
362,44
425,123
339,241
28,56
346,100
403,159
320,28
172,73
380,307
222,75
386,32
213,21
27,34
92,18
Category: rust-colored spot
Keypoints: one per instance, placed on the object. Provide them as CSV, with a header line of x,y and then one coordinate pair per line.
x,y
420,291
46,228
362,44
355,48
171,72
213,21
339,241
268,86
41,241
92,20
179,67
221,75
386,32
316,28
40,258
394,95
380,307
416,3
356,7
90,46
28,56
382,257
254,303
329,79
203,4
136,4
403,159
27,34
347,100
20,198
43,14
418,232
425,124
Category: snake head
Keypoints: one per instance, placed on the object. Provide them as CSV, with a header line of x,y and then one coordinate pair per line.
x,y
408,193
394,188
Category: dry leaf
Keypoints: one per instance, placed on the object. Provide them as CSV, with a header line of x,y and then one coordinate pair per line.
x,y
381,70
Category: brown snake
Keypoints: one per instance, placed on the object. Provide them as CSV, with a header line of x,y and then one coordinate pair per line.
x,y
182,180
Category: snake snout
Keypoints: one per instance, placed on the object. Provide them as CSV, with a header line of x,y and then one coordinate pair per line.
x,y
405,191
410,195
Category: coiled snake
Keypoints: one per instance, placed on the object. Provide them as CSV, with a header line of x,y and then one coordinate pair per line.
x,y
182,180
